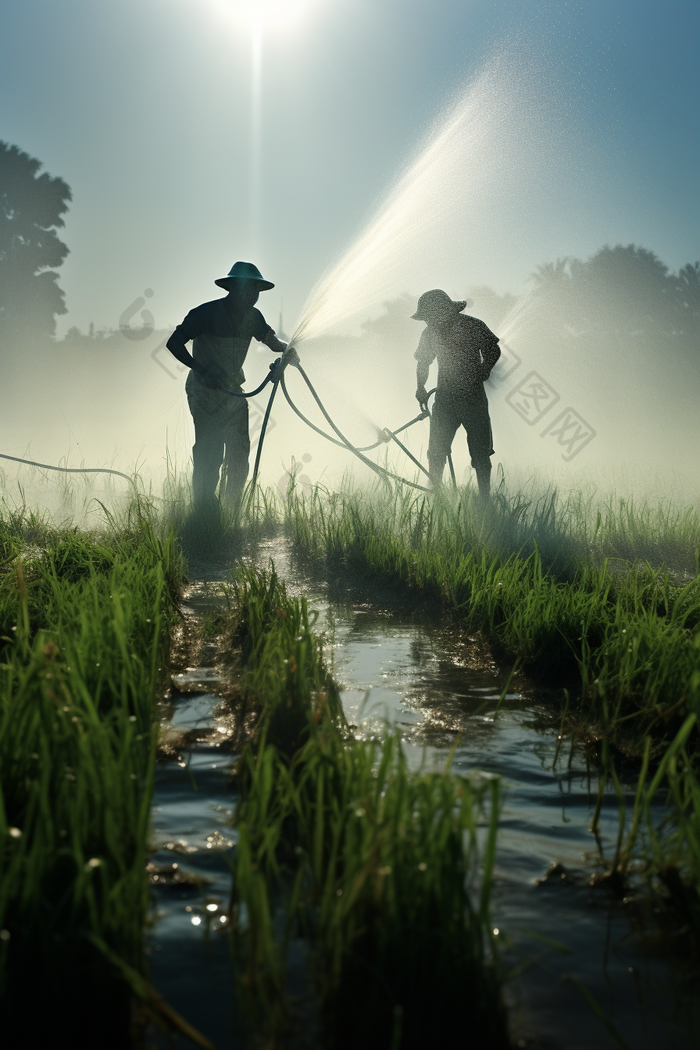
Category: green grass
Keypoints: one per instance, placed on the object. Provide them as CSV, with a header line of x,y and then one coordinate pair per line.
x,y
216,532
602,599
383,875
549,588
84,633
658,841
381,872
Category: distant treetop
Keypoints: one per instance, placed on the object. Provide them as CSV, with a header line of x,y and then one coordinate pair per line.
x,y
32,205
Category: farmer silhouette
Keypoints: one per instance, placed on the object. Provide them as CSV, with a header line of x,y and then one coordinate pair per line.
x,y
466,351
221,331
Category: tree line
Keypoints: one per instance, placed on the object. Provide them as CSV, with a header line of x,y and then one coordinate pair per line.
x,y
624,291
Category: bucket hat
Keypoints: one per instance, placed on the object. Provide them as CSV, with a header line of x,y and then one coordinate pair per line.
x,y
436,305
245,271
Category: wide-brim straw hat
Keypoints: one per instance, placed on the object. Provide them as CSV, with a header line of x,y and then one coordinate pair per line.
x,y
436,302
244,271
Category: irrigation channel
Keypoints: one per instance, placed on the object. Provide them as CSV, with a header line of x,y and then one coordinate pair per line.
x,y
574,950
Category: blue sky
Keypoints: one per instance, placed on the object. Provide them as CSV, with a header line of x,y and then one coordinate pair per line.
x,y
144,107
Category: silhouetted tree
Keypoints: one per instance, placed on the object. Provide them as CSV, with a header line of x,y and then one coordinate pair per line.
x,y
552,275
625,292
394,326
489,306
31,209
687,298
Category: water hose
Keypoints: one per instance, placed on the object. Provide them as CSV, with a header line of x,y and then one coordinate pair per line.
x,y
393,437
276,377
106,470
252,393
344,443
276,372
68,470
386,435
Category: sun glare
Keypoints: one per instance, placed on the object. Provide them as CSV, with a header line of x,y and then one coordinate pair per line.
x,y
268,12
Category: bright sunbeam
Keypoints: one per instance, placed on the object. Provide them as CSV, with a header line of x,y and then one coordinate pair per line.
x,y
268,13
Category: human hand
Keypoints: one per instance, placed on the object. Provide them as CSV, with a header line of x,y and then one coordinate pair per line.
x,y
421,396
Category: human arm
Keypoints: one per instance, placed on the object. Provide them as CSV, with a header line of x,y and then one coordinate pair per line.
x,y
211,377
421,379
270,340
424,355
490,353
176,346
265,334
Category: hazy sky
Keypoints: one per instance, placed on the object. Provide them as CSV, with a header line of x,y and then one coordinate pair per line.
x,y
145,108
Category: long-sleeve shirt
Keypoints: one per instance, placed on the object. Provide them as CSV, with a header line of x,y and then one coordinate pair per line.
x,y
466,351
220,338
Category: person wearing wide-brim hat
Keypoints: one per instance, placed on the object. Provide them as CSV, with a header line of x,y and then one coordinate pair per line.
x,y
466,351
221,332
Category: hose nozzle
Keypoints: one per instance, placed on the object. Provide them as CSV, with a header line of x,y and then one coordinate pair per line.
x,y
290,357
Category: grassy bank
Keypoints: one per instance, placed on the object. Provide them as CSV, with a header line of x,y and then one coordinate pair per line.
x,y
604,600
381,875
555,587
84,633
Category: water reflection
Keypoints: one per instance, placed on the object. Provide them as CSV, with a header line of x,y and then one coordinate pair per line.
x,y
447,696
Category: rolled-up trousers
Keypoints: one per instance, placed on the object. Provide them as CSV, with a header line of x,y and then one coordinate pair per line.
x,y
220,437
447,416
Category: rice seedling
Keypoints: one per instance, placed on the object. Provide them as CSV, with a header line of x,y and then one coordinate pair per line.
x,y
662,850
216,531
604,601
84,630
380,871
537,583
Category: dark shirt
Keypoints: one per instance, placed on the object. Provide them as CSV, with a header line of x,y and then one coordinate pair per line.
x,y
220,341
466,350
214,319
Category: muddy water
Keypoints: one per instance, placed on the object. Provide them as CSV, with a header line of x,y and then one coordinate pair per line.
x,y
559,933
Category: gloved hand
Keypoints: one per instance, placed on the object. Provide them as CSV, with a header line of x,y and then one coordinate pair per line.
x,y
213,377
421,396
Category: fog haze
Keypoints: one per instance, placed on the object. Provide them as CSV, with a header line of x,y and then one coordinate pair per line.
x,y
584,136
